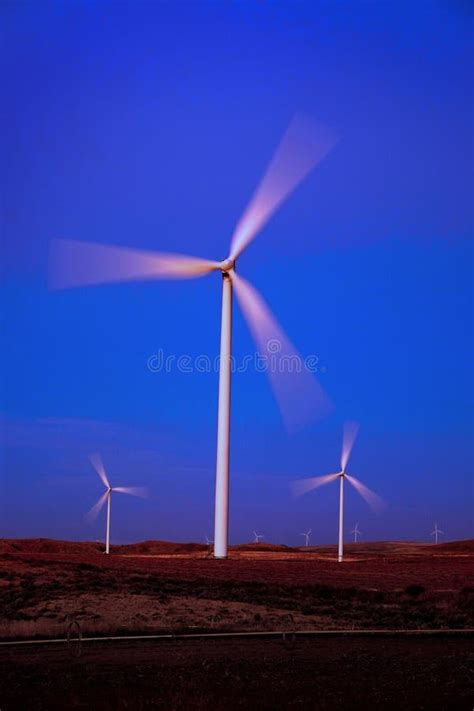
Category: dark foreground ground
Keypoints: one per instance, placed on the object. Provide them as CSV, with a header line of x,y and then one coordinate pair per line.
x,y
329,673
166,588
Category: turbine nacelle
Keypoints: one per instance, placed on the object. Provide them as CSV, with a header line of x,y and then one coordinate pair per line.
x,y
227,265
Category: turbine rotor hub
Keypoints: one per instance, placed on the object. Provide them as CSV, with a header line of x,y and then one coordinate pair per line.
x,y
227,265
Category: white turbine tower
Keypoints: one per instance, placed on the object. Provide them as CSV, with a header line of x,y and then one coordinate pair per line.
x,y
74,263
257,537
302,486
356,531
306,535
96,462
436,532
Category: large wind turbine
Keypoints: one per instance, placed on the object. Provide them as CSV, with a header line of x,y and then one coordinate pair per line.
x,y
74,263
96,462
302,486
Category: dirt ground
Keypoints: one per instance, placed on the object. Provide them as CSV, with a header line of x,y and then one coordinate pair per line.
x,y
330,673
158,587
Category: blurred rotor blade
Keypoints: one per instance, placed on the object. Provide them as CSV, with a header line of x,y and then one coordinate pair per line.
x,y
302,486
374,500
96,462
349,437
74,263
299,396
94,512
140,491
304,144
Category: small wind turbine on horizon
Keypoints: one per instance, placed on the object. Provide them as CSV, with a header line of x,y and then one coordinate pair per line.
x,y
96,462
436,532
306,535
209,543
356,531
303,486
74,263
257,537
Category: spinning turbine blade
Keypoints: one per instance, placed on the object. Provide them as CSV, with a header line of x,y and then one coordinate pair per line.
x,y
74,263
304,144
374,501
350,434
302,486
96,462
299,396
140,491
94,512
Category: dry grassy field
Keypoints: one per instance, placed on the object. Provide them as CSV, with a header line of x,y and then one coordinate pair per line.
x,y
157,587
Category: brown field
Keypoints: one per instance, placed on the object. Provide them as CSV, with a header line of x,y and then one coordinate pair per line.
x,y
157,587
316,674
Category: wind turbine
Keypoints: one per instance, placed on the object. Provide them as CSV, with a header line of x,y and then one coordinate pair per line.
x,y
257,537
302,486
307,535
209,543
74,264
436,532
96,462
356,532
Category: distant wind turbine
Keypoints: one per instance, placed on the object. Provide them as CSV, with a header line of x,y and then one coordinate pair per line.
x,y
210,543
96,462
75,263
306,535
436,532
257,537
302,486
356,531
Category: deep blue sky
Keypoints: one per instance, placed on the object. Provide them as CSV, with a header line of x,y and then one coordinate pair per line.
x,y
150,125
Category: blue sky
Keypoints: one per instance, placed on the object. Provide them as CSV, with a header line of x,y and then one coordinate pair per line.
x,y
150,125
